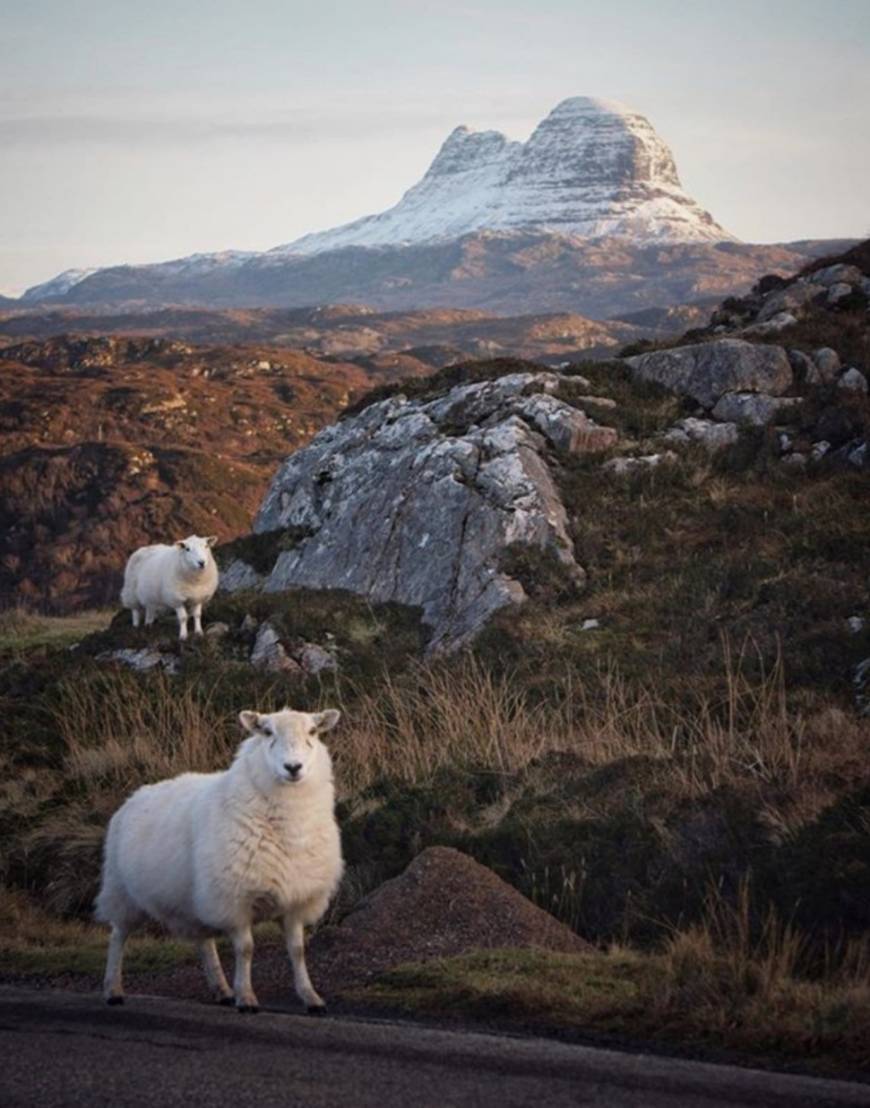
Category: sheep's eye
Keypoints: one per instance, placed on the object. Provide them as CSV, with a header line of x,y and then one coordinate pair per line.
x,y
184,546
313,731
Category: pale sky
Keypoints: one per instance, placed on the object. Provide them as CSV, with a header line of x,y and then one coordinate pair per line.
x,y
142,132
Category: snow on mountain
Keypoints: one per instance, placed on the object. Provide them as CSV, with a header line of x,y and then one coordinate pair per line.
x,y
592,168
57,286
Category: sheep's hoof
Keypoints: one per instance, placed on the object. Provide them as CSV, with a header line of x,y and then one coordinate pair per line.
x,y
247,1009
316,1009
114,1000
227,1001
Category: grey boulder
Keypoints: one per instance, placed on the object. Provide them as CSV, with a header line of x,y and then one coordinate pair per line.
x,y
705,371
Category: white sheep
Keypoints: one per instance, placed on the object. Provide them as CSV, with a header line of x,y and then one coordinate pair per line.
x,y
211,853
177,576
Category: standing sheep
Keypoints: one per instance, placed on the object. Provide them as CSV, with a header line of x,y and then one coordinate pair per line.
x,y
211,853
174,577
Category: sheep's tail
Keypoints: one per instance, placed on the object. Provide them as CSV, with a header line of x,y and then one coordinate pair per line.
x,y
131,576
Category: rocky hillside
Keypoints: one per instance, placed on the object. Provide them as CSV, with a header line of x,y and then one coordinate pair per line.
x,y
106,443
432,494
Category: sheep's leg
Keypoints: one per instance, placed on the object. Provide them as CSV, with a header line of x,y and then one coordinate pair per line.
x,y
243,947
113,988
214,972
181,613
294,934
150,616
196,612
137,615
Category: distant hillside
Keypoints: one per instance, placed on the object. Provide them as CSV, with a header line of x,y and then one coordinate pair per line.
x,y
498,272
383,340
107,443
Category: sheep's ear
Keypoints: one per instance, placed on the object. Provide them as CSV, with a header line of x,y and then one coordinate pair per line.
x,y
249,720
211,540
179,543
325,721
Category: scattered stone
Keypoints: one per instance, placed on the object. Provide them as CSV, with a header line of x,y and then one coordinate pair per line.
x,y
804,368
141,660
268,653
855,624
776,323
819,450
706,370
793,298
707,432
795,461
621,466
314,659
444,903
827,362
753,409
590,625
861,680
853,380
785,442
249,624
217,630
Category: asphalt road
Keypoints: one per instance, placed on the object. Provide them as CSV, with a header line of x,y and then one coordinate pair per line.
x,y
59,1048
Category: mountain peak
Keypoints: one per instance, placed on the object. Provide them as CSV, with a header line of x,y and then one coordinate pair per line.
x,y
592,168
589,105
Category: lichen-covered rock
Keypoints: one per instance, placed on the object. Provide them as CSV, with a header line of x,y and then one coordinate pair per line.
x,y
314,659
794,298
827,363
705,371
415,501
752,409
853,380
837,274
707,432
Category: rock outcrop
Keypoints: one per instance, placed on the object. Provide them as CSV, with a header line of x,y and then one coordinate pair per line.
x,y
416,501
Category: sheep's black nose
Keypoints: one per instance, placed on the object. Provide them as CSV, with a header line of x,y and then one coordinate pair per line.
x,y
201,565
293,768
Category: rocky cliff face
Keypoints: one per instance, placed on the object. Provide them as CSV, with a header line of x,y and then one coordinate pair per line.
x,y
419,501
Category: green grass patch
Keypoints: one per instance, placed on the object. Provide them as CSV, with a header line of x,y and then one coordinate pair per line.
x,y
22,631
667,998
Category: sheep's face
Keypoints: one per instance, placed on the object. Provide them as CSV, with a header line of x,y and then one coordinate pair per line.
x,y
195,552
290,741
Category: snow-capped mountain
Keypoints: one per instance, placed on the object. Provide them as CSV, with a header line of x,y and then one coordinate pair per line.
x,y
592,168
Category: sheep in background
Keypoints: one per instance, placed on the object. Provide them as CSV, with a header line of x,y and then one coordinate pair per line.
x,y
174,577
211,853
